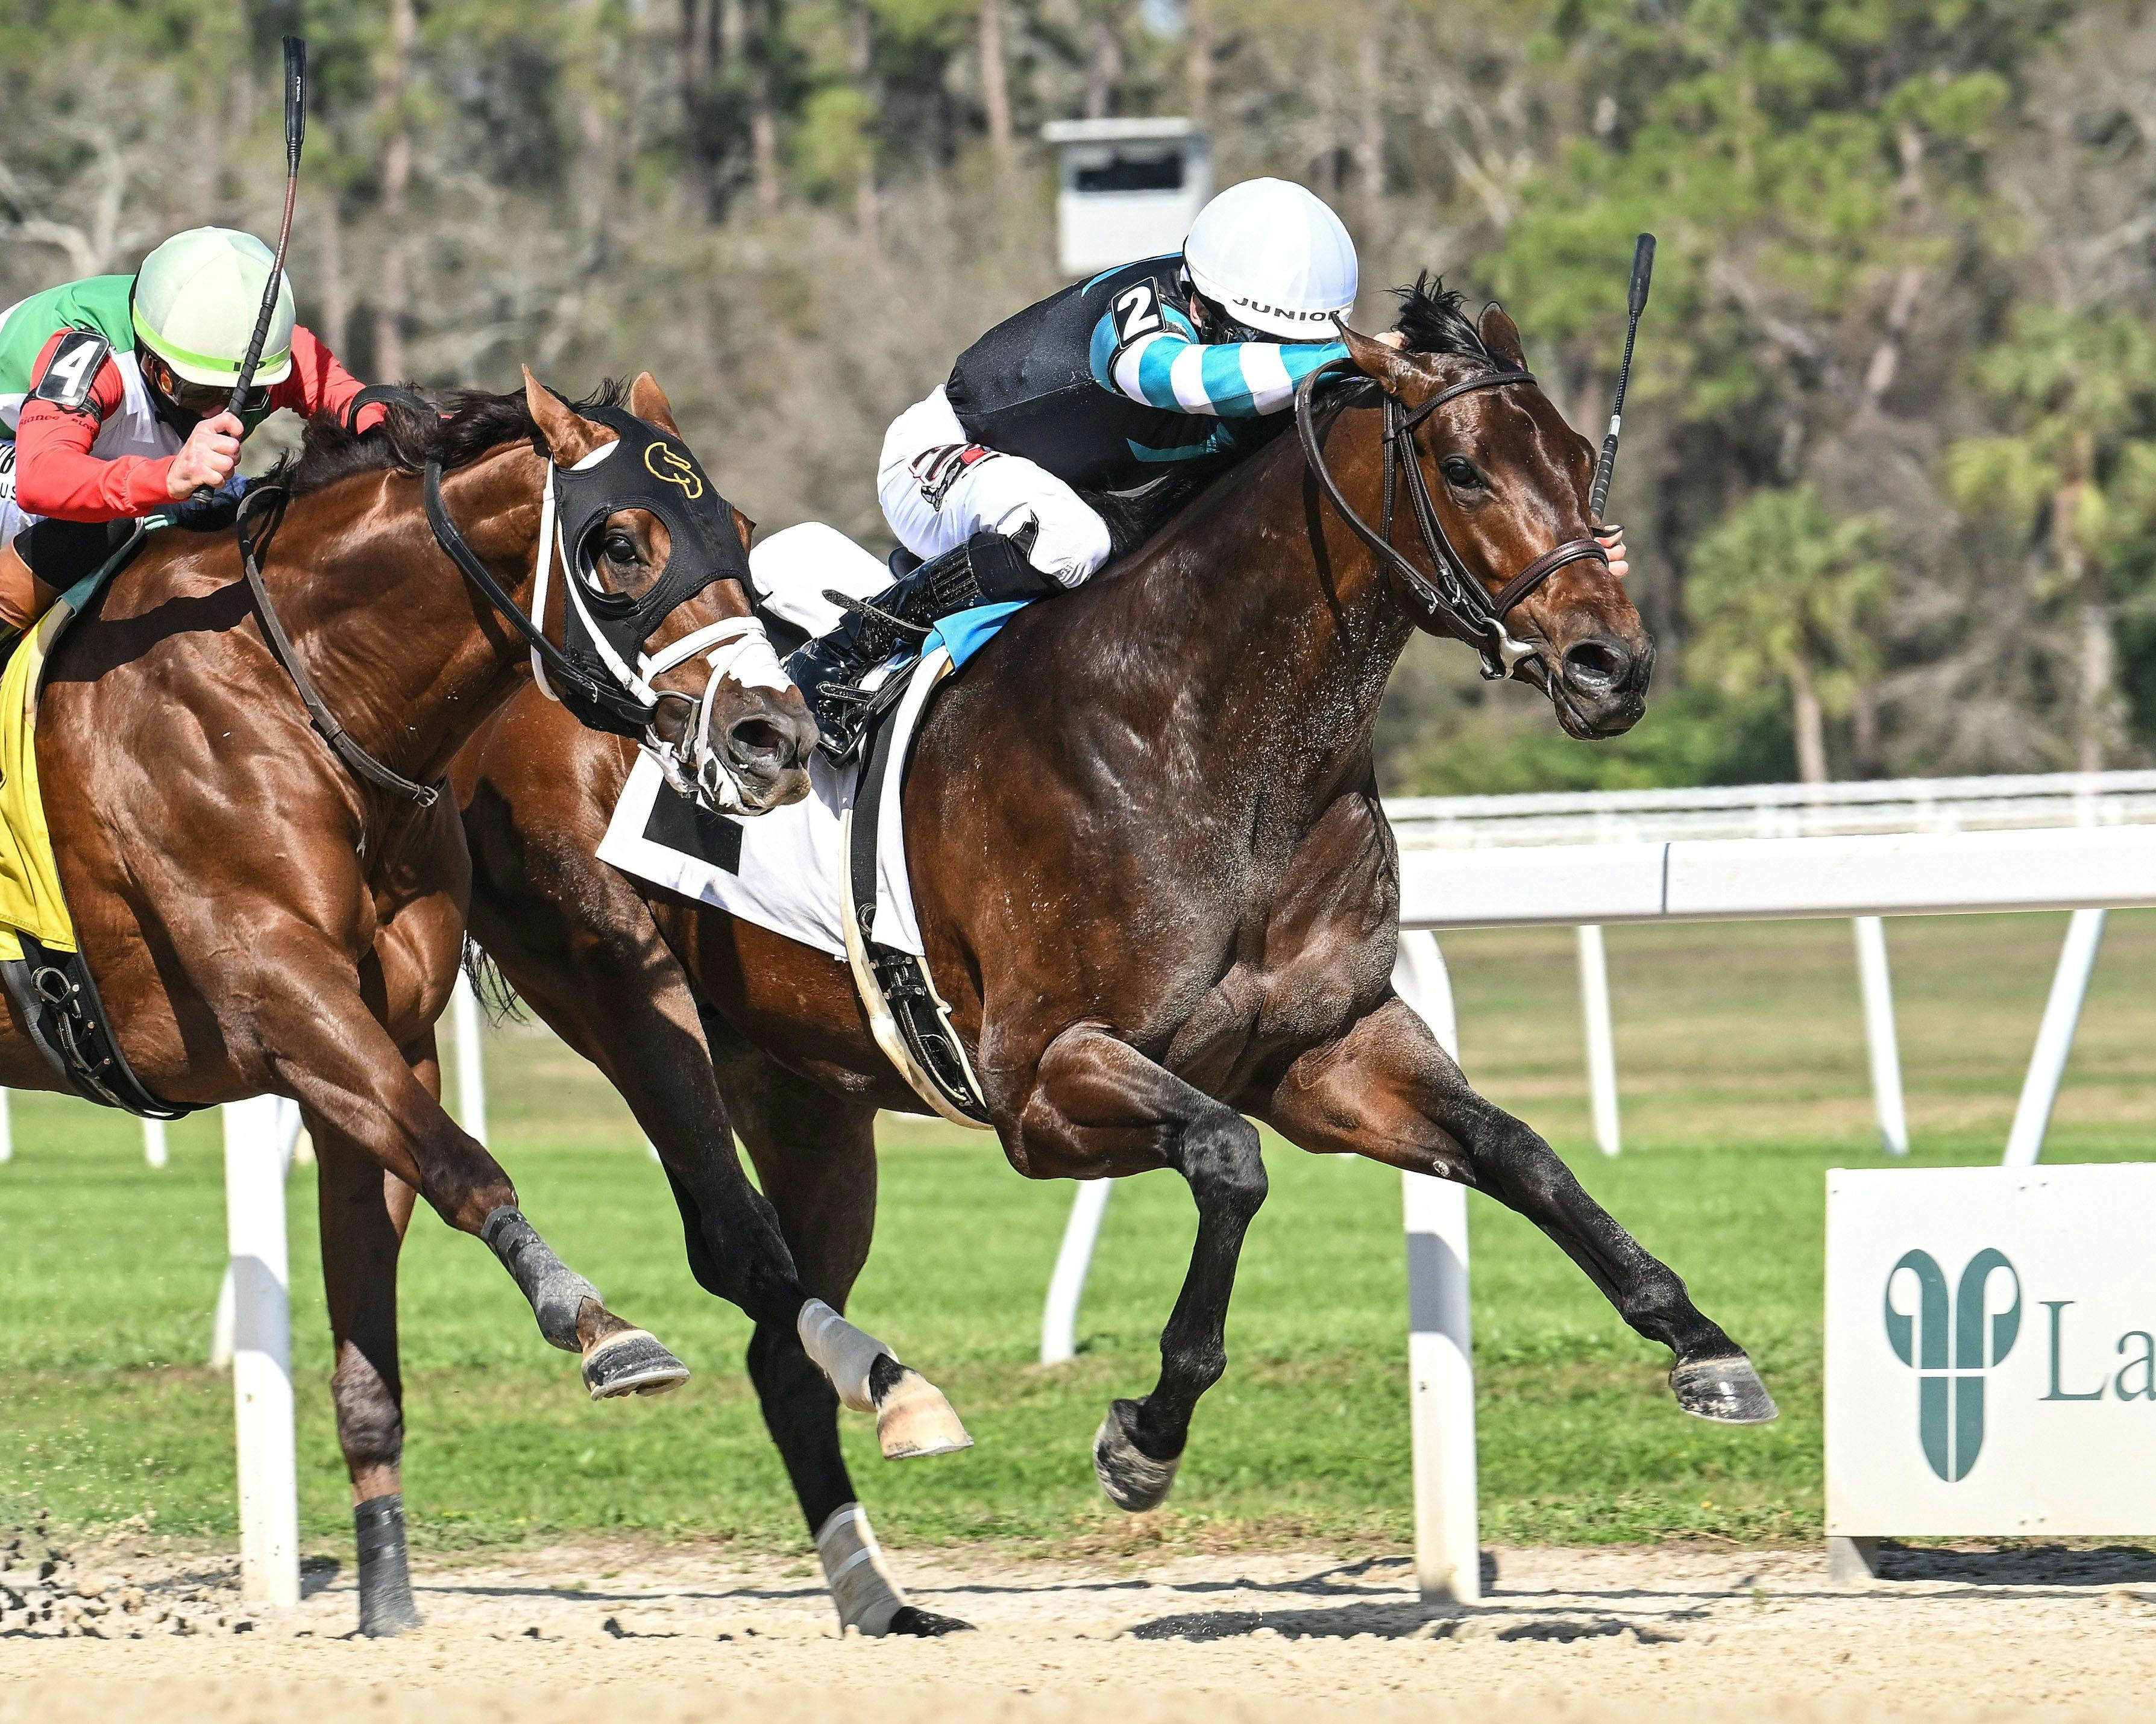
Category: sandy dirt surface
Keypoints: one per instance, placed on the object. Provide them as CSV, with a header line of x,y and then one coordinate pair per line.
x,y
656,1635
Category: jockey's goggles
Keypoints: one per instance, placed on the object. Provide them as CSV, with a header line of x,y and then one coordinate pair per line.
x,y
205,401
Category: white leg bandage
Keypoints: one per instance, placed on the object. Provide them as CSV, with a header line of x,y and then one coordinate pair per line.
x,y
862,1587
843,1352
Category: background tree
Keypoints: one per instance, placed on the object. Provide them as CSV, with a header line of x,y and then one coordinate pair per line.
x,y
1787,593
1906,247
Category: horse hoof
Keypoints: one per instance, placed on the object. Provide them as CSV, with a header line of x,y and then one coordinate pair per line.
x,y
1133,1480
1727,1391
385,1622
632,1363
913,1421
926,1624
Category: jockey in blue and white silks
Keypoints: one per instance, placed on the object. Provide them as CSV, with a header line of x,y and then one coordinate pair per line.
x,y
1177,364
1165,365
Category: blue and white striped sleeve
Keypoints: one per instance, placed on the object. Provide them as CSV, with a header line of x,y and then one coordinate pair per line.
x,y
1236,380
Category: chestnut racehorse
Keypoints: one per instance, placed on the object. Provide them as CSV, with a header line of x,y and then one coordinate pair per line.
x,y
1154,880
258,919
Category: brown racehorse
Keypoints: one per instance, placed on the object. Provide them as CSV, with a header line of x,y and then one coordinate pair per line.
x,y
1154,880
260,920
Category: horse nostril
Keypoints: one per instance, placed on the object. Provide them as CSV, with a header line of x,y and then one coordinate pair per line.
x,y
1596,664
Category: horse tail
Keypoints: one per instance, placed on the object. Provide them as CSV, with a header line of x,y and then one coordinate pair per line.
x,y
497,998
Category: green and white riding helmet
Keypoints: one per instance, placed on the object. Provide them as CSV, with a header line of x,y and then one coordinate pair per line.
x,y
195,300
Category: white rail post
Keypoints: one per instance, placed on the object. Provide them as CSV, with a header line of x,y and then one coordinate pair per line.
x,y
260,1278
1059,1317
154,1149
2055,1039
1440,1350
471,1073
7,1128
1879,1034
1601,1038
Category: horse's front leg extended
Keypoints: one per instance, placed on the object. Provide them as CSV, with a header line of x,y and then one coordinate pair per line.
x,y
1387,1091
1096,1100
324,1048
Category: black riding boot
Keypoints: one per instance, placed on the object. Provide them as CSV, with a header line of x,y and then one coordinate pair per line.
x,y
986,569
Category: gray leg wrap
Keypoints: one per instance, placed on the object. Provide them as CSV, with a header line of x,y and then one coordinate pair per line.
x,y
556,1291
385,1574
866,1595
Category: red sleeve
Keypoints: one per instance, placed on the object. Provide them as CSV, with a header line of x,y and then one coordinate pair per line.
x,y
318,384
56,476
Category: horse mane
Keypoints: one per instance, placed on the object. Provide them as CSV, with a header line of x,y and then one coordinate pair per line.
x,y
1434,319
406,439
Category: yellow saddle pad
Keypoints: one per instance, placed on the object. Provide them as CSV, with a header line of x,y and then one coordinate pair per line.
x,y
30,896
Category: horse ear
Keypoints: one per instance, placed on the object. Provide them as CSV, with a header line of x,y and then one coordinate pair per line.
x,y
745,527
1501,337
568,435
1393,371
648,401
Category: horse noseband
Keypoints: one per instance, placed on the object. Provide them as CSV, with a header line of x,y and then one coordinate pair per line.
x,y
1456,599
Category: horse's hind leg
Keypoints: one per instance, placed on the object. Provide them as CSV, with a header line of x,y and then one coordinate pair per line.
x,y
815,1156
1386,1090
364,1212
1097,1099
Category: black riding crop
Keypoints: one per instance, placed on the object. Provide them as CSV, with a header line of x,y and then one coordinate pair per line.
x,y
1643,271
295,133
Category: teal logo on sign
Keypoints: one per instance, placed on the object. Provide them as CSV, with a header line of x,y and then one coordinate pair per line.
x,y
1950,1351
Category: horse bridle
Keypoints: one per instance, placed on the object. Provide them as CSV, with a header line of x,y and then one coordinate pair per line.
x,y
629,699
1452,596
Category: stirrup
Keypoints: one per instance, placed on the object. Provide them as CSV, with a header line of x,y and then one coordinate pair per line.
x,y
862,608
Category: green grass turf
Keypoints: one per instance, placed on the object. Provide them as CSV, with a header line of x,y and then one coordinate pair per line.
x,y
1740,1051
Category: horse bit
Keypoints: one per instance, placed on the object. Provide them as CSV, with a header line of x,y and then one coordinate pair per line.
x,y
1455,598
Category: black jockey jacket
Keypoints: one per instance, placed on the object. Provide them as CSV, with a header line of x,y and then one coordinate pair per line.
x,y
1107,386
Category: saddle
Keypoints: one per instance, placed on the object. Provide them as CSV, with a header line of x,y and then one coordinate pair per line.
x,y
40,964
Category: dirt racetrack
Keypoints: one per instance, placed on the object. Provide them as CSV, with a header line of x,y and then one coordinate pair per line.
x,y
657,1635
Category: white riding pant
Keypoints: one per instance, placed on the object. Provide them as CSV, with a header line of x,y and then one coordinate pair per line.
x,y
939,488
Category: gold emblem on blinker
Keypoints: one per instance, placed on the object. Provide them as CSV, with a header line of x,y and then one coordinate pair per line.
x,y
662,461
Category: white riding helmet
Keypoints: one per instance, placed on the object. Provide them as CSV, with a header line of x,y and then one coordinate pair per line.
x,y
195,300
1276,257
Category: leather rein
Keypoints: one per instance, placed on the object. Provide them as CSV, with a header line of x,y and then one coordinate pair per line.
x,y
340,741
1450,593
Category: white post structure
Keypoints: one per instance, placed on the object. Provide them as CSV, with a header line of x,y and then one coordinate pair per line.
x,y
155,1150
7,1128
2055,1039
1059,1318
471,1072
1877,983
1440,1349
1601,1038
255,1162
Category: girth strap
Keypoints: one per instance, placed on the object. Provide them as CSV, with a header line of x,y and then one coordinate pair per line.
x,y
57,1002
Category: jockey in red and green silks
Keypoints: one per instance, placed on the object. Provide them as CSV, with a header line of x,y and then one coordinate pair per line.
x,y
113,401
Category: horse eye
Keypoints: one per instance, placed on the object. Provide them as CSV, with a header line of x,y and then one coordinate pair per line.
x,y
620,548
1461,472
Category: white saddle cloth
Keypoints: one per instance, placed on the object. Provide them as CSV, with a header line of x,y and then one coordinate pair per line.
x,y
780,870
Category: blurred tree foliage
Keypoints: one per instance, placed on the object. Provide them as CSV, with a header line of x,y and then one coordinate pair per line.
x,y
1893,426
